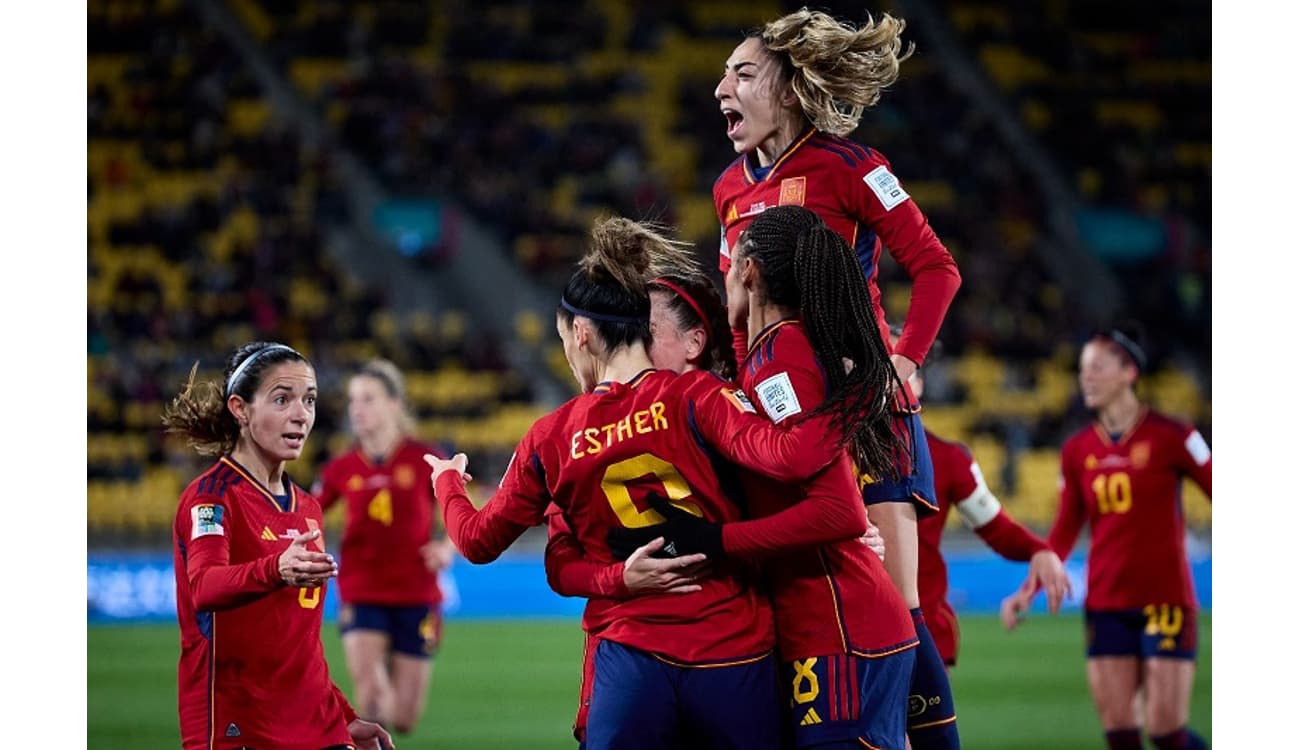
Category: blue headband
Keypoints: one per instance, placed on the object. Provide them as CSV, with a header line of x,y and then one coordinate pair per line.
x,y
234,376
600,316
1130,347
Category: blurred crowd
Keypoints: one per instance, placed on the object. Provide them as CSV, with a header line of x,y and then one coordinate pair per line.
x,y
209,217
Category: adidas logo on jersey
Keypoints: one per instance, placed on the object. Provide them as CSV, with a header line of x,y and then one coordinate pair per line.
x,y
267,534
232,730
810,718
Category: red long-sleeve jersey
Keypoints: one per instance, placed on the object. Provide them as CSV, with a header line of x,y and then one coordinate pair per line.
x,y
959,483
252,669
836,598
1129,492
599,455
852,188
390,516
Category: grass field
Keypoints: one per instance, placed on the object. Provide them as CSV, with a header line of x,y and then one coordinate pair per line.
x,y
513,684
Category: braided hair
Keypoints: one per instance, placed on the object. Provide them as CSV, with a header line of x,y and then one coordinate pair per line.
x,y
806,266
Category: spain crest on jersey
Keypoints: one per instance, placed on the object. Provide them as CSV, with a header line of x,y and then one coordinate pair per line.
x,y
792,191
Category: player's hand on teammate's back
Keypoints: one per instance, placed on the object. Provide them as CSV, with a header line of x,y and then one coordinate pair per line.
x,y
303,567
684,534
874,540
370,736
645,574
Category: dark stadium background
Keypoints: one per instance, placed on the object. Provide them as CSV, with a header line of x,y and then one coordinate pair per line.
x,y
413,181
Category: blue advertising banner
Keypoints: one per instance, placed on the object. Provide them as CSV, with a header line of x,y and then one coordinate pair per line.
x,y
142,587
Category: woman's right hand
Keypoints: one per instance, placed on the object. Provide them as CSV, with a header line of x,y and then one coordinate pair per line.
x,y
303,567
644,574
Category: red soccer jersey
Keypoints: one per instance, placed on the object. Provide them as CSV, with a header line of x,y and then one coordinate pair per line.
x,y
252,669
836,598
959,483
1129,491
853,190
599,455
390,516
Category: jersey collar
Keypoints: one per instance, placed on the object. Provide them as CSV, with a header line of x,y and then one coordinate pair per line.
x,y
270,496
789,151
606,386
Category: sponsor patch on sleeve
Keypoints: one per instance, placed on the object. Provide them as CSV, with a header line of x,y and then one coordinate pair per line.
x,y
885,185
206,521
778,397
1196,448
738,399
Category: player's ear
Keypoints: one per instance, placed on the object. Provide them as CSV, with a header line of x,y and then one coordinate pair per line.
x,y
695,342
238,408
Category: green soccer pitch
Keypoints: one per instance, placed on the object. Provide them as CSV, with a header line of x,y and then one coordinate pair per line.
x,y
513,684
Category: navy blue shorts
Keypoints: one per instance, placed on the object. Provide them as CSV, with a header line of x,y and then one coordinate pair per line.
x,y
842,699
917,470
414,631
642,701
1156,630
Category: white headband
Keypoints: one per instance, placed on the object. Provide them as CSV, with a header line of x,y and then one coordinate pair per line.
x,y
234,376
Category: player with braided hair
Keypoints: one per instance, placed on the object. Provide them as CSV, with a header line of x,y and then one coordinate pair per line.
x,y
791,92
842,627
635,444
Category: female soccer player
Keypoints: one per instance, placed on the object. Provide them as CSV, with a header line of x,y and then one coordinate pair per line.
x,y
391,551
1122,476
251,567
689,332
790,94
668,667
959,484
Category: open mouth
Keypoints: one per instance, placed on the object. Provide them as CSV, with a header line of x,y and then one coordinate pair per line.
x,y
294,438
734,120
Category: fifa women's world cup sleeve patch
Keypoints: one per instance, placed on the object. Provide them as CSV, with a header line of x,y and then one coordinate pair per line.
x,y
738,399
885,185
778,398
206,521
1197,448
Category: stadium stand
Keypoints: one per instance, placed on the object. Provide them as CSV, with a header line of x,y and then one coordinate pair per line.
x,y
205,210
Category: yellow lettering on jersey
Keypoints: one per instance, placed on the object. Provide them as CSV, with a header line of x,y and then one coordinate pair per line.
x,y
635,470
805,681
587,441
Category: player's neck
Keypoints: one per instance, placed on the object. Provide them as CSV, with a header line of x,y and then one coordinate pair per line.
x,y
265,470
771,149
382,442
1121,415
624,364
762,316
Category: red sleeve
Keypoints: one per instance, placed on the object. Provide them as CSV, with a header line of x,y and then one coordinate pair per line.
x,y
349,713
215,584
1195,460
569,573
518,505
728,422
830,511
906,233
1071,515
1009,539
325,490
